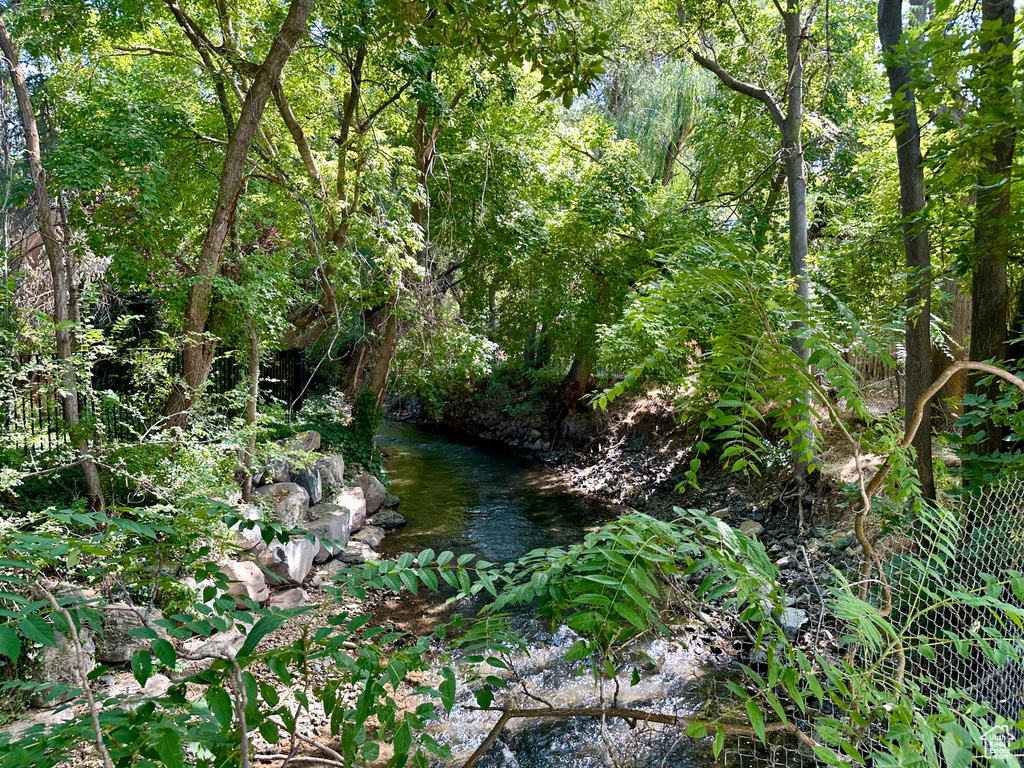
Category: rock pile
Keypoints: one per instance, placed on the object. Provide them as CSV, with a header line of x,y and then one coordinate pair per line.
x,y
330,519
328,513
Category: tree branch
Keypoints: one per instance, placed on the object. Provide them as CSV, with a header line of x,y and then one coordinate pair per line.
x,y
747,89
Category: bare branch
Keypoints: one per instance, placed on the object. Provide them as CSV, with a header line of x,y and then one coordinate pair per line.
x,y
740,86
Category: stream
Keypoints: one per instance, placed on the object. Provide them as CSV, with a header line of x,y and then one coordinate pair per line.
x,y
470,497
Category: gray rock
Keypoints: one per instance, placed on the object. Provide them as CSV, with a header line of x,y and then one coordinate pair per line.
x,y
276,471
58,665
115,645
391,501
370,535
751,528
357,553
288,500
46,718
332,469
289,598
307,442
791,621
328,572
293,560
352,501
373,491
387,518
220,645
310,480
332,530
245,580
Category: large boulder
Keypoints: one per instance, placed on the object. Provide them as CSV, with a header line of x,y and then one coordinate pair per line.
x,y
58,665
373,491
309,479
288,500
115,645
245,580
293,560
305,442
352,501
387,518
332,528
331,469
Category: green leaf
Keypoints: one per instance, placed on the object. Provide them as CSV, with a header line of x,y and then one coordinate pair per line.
x,y
10,645
447,689
260,629
142,666
696,730
164,651
220,705
170,750
484,697
36,629
756,718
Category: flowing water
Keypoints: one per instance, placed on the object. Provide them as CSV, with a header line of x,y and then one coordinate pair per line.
x,y
474,498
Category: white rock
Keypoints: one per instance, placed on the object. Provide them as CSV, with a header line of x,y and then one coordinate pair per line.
x,y
373,491
353,502
289,598
293,559
245,580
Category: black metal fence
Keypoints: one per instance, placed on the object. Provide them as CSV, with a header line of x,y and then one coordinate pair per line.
x,y
31,408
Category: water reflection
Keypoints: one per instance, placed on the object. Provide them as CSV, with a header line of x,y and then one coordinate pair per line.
x,y
471,498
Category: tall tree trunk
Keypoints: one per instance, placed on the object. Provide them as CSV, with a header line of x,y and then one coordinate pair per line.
x,y
199,350
991,233
796,184
251,403
915,237
790,124
65,313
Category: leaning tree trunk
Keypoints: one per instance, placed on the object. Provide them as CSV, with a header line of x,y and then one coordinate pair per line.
x,y
991,232
575,384
915,237
64,312
199,350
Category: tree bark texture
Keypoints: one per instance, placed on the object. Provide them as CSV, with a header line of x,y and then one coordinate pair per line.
x,y
198,349
915,235
991,233
65,312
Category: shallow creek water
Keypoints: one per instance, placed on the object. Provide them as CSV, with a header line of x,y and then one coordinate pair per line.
x,y
473,498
